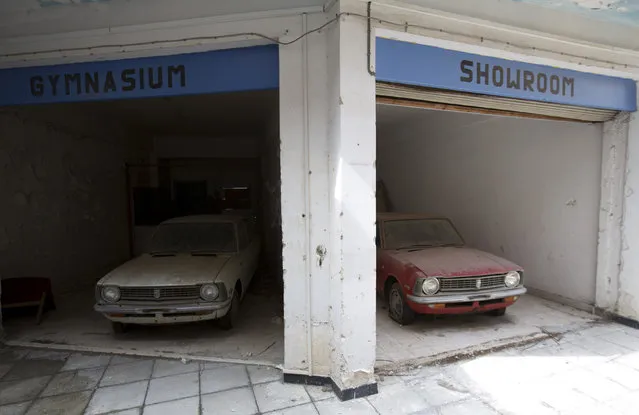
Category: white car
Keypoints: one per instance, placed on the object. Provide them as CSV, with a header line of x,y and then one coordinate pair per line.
x,y
197,268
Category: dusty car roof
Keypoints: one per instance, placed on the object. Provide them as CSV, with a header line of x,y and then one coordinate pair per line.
x,y
205,219
402,215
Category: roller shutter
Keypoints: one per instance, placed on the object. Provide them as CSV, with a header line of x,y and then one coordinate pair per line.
x,y
394,94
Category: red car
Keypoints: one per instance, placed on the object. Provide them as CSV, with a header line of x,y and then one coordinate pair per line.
x,y
424,267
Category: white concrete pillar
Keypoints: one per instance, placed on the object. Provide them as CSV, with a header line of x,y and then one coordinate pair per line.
x,y
305,204
327,150
613,168
294,209
351,111
627,304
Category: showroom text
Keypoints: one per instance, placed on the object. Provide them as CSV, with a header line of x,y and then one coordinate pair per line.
x,y
518,79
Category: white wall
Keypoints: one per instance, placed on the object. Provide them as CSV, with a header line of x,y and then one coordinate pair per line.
x,y
527,190
628,300
64,209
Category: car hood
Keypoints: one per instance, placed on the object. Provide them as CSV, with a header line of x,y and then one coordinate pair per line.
x,y
182,269
456,262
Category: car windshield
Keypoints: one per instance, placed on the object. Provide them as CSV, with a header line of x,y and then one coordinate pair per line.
x,y
420,233
194,237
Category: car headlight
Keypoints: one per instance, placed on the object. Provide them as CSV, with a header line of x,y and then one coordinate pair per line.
x,y
110,294
512,279
209,292
430,286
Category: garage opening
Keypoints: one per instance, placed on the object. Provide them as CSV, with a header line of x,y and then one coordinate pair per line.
x,y
499,161
86,184
518,189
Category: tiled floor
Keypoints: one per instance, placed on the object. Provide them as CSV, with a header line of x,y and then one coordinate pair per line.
x,y
592,370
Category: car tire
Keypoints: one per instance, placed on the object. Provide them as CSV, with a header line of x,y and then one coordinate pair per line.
x,y
118,328
398,309
498,312
230,318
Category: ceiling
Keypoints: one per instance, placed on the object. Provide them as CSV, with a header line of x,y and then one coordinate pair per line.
x,y
609,22
620,11
41,17
216,115
222,7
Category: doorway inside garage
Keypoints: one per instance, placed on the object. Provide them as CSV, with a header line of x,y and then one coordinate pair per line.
x,y
88,183
523,189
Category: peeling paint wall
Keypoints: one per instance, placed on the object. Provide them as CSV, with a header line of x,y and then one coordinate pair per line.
x,y
613,169
527,190
64,210
628,302
351,146
306,197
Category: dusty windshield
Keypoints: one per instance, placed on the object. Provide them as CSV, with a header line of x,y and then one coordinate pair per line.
x,y
194,237
420,233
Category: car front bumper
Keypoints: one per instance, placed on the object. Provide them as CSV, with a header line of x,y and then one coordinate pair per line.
x,y
465,303
467,298
162,313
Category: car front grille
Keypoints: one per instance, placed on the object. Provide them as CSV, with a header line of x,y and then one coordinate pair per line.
x,y
489,282
159,293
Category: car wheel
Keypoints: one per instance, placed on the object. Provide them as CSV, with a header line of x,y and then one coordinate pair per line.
x,y
230,318
398,310
118,328
498,312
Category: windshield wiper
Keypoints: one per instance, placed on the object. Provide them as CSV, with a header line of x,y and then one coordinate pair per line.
x,y
163,253
203,252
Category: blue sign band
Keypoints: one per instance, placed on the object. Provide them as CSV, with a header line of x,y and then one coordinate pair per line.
x,y
243,69
427,66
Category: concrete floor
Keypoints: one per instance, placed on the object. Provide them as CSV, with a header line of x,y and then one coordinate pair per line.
x,y
75,326
431,339
260,337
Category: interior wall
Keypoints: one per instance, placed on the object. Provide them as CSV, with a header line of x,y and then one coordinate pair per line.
x,y
64,209
206,147
527,190
219,173
221,161
270,209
